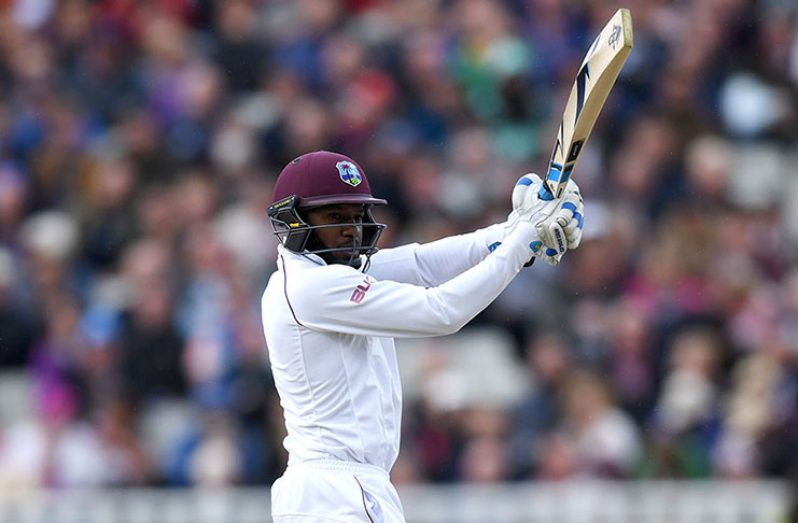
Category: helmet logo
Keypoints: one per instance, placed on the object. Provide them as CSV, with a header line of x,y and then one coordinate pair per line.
x,y
349,173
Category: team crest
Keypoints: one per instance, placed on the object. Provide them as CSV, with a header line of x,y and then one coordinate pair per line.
x,y
349,173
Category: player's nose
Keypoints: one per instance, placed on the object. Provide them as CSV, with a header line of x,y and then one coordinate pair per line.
x,y
352,231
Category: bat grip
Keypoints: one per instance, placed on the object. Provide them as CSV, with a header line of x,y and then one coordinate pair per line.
x,y
544,193
555,172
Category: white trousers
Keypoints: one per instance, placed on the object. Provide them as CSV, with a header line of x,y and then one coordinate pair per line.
x,y
326,491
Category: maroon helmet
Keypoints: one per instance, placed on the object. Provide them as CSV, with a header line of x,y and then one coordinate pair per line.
x,y
314,180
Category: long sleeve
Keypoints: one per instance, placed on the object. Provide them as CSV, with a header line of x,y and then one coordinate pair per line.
x,y
340,299
433,263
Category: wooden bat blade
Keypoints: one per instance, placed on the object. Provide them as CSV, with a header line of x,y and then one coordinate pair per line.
x,y
596,76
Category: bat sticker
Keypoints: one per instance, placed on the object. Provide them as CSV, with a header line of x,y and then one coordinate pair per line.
x,y
615,36
581,82
576,148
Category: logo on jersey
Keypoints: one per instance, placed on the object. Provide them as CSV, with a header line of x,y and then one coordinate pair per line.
x,y
349,173
360,291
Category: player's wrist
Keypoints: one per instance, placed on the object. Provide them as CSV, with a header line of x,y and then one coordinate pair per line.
x,y
524,233
530,245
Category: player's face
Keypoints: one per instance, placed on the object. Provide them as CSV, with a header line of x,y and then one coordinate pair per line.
x,y
348,236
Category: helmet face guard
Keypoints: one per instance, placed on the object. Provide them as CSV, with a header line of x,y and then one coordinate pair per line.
x,y
296,235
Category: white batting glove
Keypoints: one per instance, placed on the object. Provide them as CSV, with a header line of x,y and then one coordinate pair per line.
x,y
559,222
528,207
563,229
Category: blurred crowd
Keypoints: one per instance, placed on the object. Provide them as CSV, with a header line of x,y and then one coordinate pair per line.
x,y
139,144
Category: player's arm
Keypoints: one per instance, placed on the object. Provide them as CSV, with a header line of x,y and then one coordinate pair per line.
x,y
433,263
341,299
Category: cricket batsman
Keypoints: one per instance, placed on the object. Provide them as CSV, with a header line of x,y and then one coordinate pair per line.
x,y
335,304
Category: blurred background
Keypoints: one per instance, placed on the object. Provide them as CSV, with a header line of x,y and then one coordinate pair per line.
x,y
139,145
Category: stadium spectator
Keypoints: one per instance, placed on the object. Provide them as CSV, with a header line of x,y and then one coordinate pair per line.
x,y
139,143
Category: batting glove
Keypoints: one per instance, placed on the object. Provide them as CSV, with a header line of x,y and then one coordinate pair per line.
x,y
559,222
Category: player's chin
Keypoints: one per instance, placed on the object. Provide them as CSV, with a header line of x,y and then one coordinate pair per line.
x,y
346,249
350,257
346,253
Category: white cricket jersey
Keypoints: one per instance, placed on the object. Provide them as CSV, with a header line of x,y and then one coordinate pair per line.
x,y
330,328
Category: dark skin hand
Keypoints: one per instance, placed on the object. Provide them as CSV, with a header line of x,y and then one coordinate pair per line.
x,y
332,237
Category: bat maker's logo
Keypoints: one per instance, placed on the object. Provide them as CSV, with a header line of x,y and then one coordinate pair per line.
x,y
615,36
349,173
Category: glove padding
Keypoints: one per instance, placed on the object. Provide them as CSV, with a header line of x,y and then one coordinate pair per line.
x,y
559,222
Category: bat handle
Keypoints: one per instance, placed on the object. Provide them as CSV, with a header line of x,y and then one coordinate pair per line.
x,y
545,193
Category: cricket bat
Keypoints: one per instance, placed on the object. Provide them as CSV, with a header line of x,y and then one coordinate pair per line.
x,y
595,78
